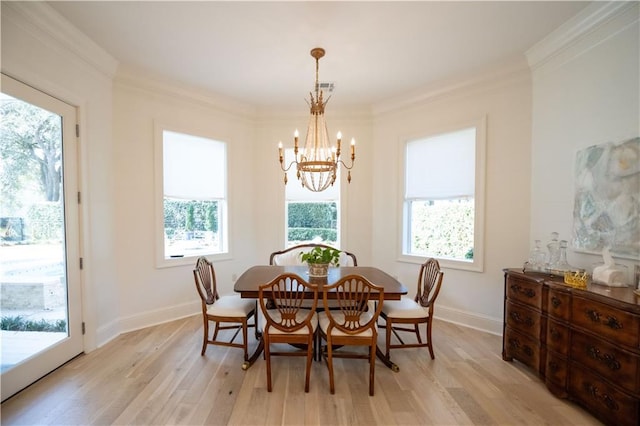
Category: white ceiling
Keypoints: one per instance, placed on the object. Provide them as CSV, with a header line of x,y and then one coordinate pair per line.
x,y
258,52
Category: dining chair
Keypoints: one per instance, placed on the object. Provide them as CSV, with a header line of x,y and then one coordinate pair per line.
x,y
351,323
222,309
400,314
286,321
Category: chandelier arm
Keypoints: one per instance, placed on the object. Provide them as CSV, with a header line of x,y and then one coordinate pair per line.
x,y
288,167
345,164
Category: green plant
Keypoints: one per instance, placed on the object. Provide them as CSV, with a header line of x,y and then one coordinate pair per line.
x,y
20,324
321,255
190,221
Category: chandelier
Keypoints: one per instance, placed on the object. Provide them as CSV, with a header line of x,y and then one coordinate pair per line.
x,y
318,162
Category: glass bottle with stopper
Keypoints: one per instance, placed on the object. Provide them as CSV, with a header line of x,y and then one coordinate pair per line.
x,y
553,246
561,265
536,257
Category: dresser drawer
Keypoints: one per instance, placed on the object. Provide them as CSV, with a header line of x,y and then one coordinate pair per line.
x,y
558,337
558,304
523,319
619,326
611,405
556,369
523,348
524,291
618,366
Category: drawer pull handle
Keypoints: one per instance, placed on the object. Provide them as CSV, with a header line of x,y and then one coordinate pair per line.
x,y
517,318
515,344
604,398
525,291
554,333
607,359
611,322
553,366
555,302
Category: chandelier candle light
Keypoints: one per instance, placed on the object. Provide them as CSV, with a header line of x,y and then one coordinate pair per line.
x,y
318,163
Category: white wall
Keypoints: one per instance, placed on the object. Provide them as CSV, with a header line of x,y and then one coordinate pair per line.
x,y
150,294
586,91
504,98
39,49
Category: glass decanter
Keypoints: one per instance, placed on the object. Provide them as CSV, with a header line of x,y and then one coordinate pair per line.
x,y
553,246
561,266
536,257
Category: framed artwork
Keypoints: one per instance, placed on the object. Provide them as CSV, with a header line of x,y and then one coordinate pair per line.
x,y
606,211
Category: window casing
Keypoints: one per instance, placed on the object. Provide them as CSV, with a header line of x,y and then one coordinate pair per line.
x,y
311,216
192,207
443,201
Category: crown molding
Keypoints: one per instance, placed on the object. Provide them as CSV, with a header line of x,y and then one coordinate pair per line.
x,y
48,26
594,24
509,72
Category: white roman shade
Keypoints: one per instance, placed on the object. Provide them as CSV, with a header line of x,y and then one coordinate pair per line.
x,y
442,166
194,167
296,192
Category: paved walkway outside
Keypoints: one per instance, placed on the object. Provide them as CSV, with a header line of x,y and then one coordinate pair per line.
x,y
21,262
16,346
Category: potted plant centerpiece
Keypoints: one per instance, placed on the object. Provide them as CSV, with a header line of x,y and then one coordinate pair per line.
x,y
319,259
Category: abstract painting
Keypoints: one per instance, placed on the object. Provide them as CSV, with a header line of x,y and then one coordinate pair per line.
x,y
606,211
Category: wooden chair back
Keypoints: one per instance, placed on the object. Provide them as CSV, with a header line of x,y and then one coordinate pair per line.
x,y
205,278
285,295
351,312
429,283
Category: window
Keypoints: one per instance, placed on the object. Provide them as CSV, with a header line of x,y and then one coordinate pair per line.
x,y
443,197
194,196
311,216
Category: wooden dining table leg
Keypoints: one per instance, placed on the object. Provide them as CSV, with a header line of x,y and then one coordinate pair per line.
x,y
259,349
386,360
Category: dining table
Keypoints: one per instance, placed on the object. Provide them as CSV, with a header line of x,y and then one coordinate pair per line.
x,y
248,286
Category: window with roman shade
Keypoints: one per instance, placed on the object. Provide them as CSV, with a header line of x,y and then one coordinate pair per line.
x,y
194,194
440,209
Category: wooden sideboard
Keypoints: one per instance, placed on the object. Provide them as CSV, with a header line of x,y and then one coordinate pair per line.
x,y
584,344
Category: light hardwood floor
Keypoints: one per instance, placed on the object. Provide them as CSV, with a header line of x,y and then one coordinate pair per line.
x,y
157,376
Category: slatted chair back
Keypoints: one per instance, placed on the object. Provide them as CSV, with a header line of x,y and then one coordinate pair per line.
x,y
429,283
351,309
205,278
286,294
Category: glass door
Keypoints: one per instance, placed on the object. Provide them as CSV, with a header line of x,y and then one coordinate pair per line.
x,y
40,284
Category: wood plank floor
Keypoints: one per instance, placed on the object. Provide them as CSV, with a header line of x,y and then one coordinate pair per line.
x,y
157,376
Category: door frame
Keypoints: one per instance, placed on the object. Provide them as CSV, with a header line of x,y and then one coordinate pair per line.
x,y
42,363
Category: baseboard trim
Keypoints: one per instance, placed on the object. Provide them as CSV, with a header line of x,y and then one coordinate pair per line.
x,y
469,320
159,316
